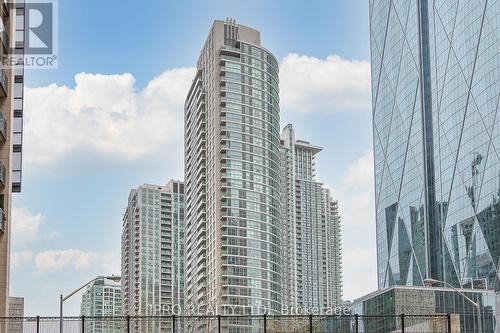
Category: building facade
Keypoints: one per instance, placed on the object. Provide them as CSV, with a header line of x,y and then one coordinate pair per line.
x,y
153,250
232,175
425,301
102,298
311,247
436,86
11,126
16,310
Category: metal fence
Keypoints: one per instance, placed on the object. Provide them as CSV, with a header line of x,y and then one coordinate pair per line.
x,y
231,324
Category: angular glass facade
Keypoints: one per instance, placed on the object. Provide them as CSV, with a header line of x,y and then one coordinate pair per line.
x,y
435,85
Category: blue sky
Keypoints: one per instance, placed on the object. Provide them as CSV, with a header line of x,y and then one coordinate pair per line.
x,y
110,118
121,36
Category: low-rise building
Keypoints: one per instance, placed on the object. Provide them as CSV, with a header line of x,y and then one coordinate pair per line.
x,y
426,302
16,312
102,298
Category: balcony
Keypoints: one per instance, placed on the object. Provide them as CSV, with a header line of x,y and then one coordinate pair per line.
x,y
2,220
230,51
2,174
3,83
5,9
3,128
5,41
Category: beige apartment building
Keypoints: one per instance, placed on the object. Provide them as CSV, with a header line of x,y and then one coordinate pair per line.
x,y
11,124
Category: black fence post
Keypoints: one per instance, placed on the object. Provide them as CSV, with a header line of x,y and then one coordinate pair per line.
x,y
83,324
219,328
37,324
449,322
402,323
356,323
173,323
128,324
310,323
265,322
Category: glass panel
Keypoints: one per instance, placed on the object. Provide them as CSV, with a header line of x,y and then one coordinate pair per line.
x,y
18,90
18,103
17,138
18,124
16,161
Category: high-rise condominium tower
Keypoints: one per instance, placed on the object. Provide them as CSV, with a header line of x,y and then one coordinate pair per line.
x,y
153,250
232,168
436,84
311,242
11,125
102,298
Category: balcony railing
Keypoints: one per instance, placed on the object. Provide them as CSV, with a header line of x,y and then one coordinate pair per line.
x,y
2,174
2,220
3,128
5,11
5,41
3,83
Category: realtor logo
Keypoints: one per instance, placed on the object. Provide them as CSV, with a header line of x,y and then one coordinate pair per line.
x,y
39,25
36,28
39,18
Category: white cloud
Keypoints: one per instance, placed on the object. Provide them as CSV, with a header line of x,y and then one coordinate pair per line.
x,y
21,258
357,207
334,84
26,229
57,272
105,114
72,259
25,226
108,115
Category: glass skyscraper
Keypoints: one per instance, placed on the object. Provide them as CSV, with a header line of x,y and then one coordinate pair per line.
x,y
232,163
311,246
436,85
153,252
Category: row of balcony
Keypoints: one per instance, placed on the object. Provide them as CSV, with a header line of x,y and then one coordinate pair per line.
x,y
4,82
4,35
3,122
